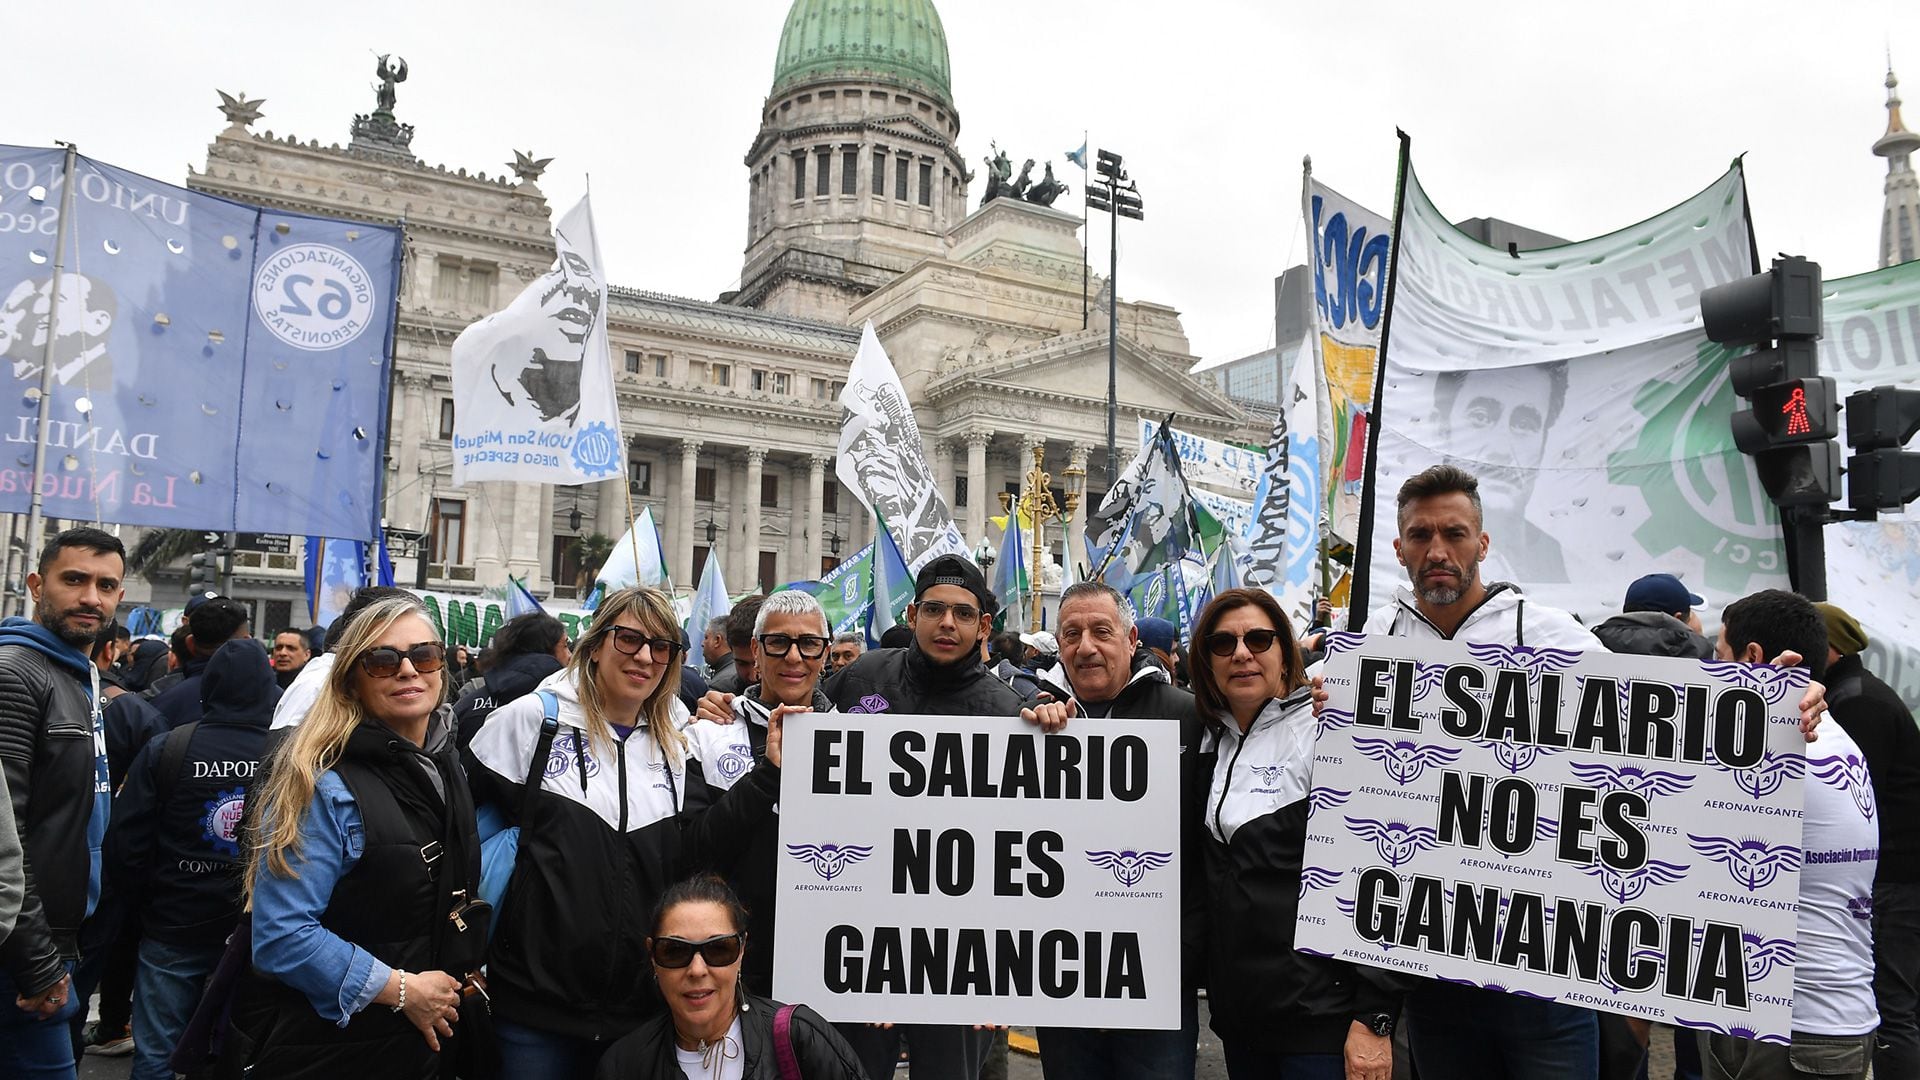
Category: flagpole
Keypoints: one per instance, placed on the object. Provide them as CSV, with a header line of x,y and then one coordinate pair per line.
x,y
1363,560
1086,238
35,510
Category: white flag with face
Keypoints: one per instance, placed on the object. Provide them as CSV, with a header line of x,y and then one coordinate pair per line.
x,y
533,384
882,462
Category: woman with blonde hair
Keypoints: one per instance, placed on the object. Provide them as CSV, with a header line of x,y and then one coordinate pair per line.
x,y
363,858
621,812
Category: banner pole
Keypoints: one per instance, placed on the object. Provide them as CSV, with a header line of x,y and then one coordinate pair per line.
x,y
35,509
1363,549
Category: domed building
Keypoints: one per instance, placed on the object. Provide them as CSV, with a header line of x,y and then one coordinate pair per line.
x,y
857,209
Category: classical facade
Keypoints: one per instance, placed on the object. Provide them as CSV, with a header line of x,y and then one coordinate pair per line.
x,y
856,198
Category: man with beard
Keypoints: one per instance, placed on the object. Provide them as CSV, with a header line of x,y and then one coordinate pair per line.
x,y
53,749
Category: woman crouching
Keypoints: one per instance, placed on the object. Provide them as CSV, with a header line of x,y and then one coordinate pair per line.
x,y
712,1027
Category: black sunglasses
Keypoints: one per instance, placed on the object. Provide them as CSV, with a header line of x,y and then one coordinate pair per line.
x,y
384,662
718,952
934,609
1258,641
812,646
628,641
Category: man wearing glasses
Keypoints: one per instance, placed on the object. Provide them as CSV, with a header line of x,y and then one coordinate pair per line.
x,y
790,641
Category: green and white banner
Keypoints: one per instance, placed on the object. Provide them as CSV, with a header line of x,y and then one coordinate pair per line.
x,y
472,620
1872,338
1576,383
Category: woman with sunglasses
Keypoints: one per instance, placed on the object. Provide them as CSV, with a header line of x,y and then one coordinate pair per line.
x,y
713,1027
620,812
1279,1013
364,846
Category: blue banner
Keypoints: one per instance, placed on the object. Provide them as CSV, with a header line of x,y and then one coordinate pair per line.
x,y
217,366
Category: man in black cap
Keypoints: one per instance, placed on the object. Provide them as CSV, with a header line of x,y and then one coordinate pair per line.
x,y
1657,620
939,673
1881,724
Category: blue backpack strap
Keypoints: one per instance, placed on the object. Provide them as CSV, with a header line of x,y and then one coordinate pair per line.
x,y
537,767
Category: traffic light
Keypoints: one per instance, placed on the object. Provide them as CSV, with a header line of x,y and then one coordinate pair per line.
x,y
1794,411
203,574
1881,476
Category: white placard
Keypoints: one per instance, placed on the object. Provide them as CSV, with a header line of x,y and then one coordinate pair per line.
x,y
970,870
1624,831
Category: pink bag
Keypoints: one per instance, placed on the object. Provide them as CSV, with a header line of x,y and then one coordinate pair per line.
x,y
783,1043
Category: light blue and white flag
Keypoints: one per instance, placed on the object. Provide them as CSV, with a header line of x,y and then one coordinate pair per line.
x,y
520,601
1010,575
334,569
636,559
892,585
710,601
1079,157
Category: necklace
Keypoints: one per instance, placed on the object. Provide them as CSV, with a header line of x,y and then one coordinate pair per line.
x,y
714,1054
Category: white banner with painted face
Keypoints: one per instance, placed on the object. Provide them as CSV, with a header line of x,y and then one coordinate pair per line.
x,y
1872,338
1576,383
970,870
1620,833
883,462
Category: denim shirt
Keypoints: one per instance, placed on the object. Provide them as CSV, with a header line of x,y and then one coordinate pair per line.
x,y
338,977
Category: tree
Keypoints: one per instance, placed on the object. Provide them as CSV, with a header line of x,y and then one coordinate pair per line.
x,y
158,549
588,553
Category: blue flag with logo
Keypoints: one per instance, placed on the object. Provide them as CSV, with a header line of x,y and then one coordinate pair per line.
x,y
216,365
520,601
892,585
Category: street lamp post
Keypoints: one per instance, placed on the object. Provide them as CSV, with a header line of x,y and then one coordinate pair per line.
x,y
1036,502
1119,197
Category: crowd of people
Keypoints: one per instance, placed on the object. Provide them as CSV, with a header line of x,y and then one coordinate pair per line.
x,y
356,858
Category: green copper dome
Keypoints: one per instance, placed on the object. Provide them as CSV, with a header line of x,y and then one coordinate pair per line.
x,y
897,41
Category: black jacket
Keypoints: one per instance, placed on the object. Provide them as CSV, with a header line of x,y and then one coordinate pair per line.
x,y
513,677
47,748
175,841
1262,993
908,681
1879,721
129,721
821,1052
1151,695
610,828
180,702
1652,633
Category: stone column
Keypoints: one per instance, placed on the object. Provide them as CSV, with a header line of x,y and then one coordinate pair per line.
x,y
543,533
816,520
684,515
408,509
1077,527
756,467
976,517
482,540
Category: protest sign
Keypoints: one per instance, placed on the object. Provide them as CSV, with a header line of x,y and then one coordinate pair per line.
x,y
1614,832
970,870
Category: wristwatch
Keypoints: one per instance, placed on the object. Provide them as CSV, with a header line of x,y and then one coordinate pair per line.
x,y
1379,1023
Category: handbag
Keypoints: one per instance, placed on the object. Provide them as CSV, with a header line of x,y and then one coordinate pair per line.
x,y
783,1043
499,841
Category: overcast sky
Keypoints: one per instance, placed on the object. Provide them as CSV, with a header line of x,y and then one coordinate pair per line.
x,y
1572,124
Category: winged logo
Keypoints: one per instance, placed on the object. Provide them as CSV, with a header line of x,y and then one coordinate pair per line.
x,y
1339,641
1736,1031
1425,678
1762,953
1129,867
1269,774
829,860
1849,774
1346,906
1326,798
1515,757
1331,719
1771,682
1317,877
1641,781
1765,777
1535,662
1404,759
1396,841
1627,886
1753,862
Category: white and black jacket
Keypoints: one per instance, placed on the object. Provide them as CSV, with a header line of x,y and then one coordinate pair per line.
x,y
1504,617
1263,994
611,827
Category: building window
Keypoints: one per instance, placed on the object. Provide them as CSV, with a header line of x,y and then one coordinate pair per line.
x,y
768,569
959,491
759,379
446,418
640,477
782,383
850,172
721,374
829,496
879,172
703,483
633,362
799,174
659,365
926,184
828,563
700,553
823,172
480,283
820,389
448,531
834,388
770,490
900,179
